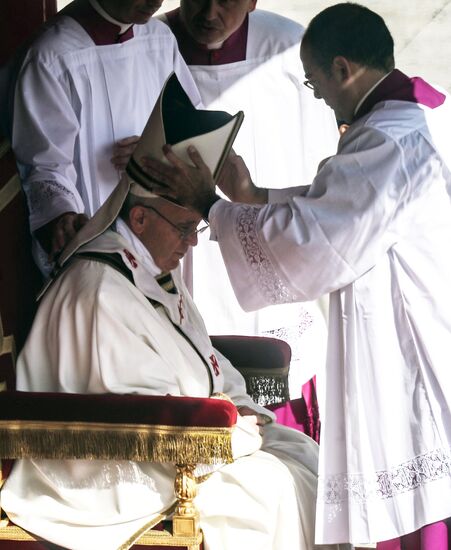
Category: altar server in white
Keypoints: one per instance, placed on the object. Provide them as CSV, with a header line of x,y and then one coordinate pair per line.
x,y
247,59
89,80
374,230
105,329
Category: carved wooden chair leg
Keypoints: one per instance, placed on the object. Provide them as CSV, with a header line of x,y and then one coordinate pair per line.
x,y
185,520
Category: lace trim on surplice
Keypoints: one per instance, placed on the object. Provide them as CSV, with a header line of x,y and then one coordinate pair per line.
x,y
269,283
293,333
40,193
410,475
98,474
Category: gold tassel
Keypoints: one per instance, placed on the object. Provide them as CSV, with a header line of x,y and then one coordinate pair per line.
x,y
68,440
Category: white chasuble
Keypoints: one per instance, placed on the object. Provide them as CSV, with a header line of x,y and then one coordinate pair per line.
x,y
374,231
285,135
96,332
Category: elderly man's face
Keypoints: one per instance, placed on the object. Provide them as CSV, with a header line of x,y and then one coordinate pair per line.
x,y
131,11
211,22
166,230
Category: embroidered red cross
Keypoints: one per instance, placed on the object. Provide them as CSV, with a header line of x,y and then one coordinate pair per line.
x,y
131,258
214,364
180,306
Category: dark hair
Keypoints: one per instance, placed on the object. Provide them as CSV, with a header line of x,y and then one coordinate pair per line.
x,y
353,31
131,201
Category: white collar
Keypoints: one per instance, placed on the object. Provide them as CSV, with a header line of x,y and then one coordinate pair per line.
x,y
123,26
124,230
360,103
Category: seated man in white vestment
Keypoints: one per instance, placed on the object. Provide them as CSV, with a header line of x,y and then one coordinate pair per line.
x,y
132,327
374,230
88,81
243,58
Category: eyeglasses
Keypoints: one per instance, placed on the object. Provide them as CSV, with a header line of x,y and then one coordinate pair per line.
x,y
309,85
184,233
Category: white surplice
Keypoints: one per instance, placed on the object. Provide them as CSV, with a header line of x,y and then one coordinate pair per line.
x,y
374,230
74,100
284,136
96,332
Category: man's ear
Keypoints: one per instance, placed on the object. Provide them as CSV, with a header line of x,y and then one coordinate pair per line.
x,y
137,218
341,68
252,6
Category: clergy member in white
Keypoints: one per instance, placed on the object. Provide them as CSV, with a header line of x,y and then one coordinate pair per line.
x,y
89,80
373,230
105,329
247,59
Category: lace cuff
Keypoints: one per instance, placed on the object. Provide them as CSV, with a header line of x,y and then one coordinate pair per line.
x,y
269,283
48,199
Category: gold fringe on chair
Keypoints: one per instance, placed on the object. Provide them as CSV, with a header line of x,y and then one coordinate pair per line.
x,y
267,386
11,532
70,440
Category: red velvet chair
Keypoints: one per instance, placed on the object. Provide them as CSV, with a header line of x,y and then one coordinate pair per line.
x,y
185,431
265,368
181,430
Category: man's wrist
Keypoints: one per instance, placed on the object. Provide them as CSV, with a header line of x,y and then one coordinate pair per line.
x,y
262,195
44,233
208,204
255,195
